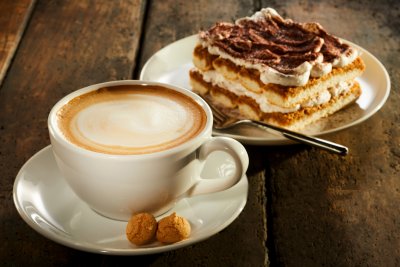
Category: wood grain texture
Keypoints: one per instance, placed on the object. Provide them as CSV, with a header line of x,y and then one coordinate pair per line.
x,y
67,45
13,18
333,211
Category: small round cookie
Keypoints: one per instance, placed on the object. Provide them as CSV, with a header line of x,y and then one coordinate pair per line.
x,y
141,228
173,228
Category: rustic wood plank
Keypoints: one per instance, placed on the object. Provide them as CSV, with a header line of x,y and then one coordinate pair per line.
x,y
13,18
244,240
67,45
343,211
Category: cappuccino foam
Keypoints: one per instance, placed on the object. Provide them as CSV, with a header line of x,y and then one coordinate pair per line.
x,y
131,119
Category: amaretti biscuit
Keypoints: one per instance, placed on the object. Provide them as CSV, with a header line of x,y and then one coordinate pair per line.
x,y
141,228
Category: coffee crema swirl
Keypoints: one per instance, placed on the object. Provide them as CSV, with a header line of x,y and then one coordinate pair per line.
x,y
285,52
131,119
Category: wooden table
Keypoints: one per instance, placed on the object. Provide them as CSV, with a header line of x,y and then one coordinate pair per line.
x,y
305,207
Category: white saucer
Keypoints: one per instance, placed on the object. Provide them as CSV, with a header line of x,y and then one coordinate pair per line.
x,y
172,63
48,205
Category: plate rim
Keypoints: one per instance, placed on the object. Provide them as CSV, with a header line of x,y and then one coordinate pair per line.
x,y
278,140
93,248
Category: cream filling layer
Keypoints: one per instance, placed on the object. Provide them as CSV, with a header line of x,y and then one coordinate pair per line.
x,y
217,79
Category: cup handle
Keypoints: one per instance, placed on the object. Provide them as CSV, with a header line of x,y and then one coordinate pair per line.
x,y
233,148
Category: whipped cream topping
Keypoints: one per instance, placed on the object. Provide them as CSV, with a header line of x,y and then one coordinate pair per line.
x,y
283,51
324,96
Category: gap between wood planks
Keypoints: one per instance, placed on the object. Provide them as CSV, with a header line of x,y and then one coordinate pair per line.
x,y
137,68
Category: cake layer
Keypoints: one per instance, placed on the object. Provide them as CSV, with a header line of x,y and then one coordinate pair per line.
x,y
284,96
247,107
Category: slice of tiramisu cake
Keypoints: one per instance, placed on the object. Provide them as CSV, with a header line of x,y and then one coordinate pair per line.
x,y
275,70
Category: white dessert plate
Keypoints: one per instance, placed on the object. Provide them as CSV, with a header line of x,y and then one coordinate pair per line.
x,y
47,204
172,64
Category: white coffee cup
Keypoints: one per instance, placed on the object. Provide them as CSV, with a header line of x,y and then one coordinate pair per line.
x,y
118,186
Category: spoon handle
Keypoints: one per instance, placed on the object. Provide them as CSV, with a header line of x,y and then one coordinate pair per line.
x,y
306,139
